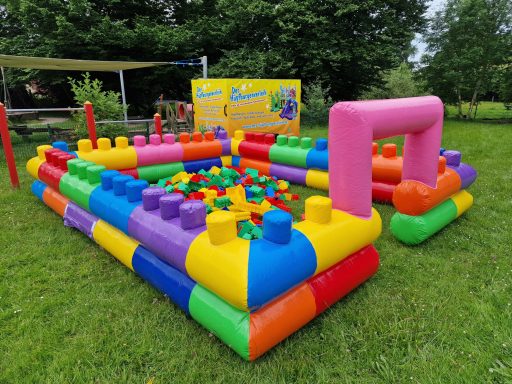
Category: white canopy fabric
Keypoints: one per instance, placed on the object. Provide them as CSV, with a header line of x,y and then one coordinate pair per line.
x,y
10,61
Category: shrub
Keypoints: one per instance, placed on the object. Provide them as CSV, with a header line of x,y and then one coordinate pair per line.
x,y
106,104
315,108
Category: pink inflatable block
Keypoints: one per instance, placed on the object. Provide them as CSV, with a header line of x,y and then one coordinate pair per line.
x,y
157,152
352,128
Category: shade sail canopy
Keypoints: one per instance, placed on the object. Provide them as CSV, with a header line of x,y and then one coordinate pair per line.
x,y
72,65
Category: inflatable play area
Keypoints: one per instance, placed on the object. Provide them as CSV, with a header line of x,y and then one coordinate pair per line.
x,y
206,220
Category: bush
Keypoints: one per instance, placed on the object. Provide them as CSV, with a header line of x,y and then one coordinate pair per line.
x,y
106,104
316,105
398,82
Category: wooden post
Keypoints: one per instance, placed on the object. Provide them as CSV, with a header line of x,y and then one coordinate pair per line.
x,y
6,142
91,123
158,124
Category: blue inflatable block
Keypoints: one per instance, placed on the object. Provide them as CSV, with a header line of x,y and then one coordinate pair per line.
x,y
275,268
235,161
62,145
206,164
38,188
163,277
318,157
115,210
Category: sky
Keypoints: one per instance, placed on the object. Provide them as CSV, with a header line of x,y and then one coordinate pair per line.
x,y
435,5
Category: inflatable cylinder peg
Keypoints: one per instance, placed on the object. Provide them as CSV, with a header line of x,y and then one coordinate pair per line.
x,y
209,136
321,144
121,142
282,140
277,227
94,173
62,145
293,141
72,166
63,161
192,214
41,150
389,151
155,139
239,135
223,135
441,168
249,136
119,184
107,179
104,144
81,169
453,158
134,190
170,205
169,138
259,137
375,149
269,139
184,138
84,145
197,137
150,198
318,209
139,141
221,227
306,142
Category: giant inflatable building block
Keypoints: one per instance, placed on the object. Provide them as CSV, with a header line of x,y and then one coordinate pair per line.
x,y
256,146
123,156
250,334
291,150
200,146
157,152
318,157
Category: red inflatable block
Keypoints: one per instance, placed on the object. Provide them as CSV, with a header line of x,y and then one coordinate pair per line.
x,y
130,171
256,146
382,191
331,285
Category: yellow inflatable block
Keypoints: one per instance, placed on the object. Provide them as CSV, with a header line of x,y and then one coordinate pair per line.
x,y
227,161
34,163
317,179
215,170
220,260
235,142
122,156
463,201
121,246
337,236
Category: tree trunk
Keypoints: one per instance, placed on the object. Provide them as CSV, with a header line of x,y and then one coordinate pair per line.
x,y
459,104
474,98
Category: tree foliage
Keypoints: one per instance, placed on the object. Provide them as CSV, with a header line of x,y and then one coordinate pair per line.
x,y
468,41
397,82
343,43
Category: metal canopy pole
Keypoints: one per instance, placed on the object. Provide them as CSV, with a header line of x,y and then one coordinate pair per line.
x,y
204,61
6,92
123,95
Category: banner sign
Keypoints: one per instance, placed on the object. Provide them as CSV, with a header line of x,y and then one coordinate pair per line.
x,y
254,105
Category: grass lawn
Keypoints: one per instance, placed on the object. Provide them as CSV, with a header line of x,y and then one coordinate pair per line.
x,y
440,312
487,110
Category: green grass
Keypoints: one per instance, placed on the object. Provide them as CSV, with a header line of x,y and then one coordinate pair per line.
x,y
487,110
440,312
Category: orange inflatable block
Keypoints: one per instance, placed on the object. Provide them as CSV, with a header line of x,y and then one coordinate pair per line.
x,y
279,319
55,200
262,166
386,167
414,198
200,147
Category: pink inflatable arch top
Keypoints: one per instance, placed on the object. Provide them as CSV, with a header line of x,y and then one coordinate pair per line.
x,y
352,128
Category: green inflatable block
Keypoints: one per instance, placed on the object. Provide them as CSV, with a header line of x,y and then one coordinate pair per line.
x,y
153,173
291,151
413,230
77,189
228,323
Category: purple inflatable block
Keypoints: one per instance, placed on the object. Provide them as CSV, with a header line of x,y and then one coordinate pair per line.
x,y
226,143
294,175
452,157
466,172
79,218
165,238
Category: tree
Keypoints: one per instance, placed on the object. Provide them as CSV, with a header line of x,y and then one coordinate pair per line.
x,y
397,82
344,43
467,43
